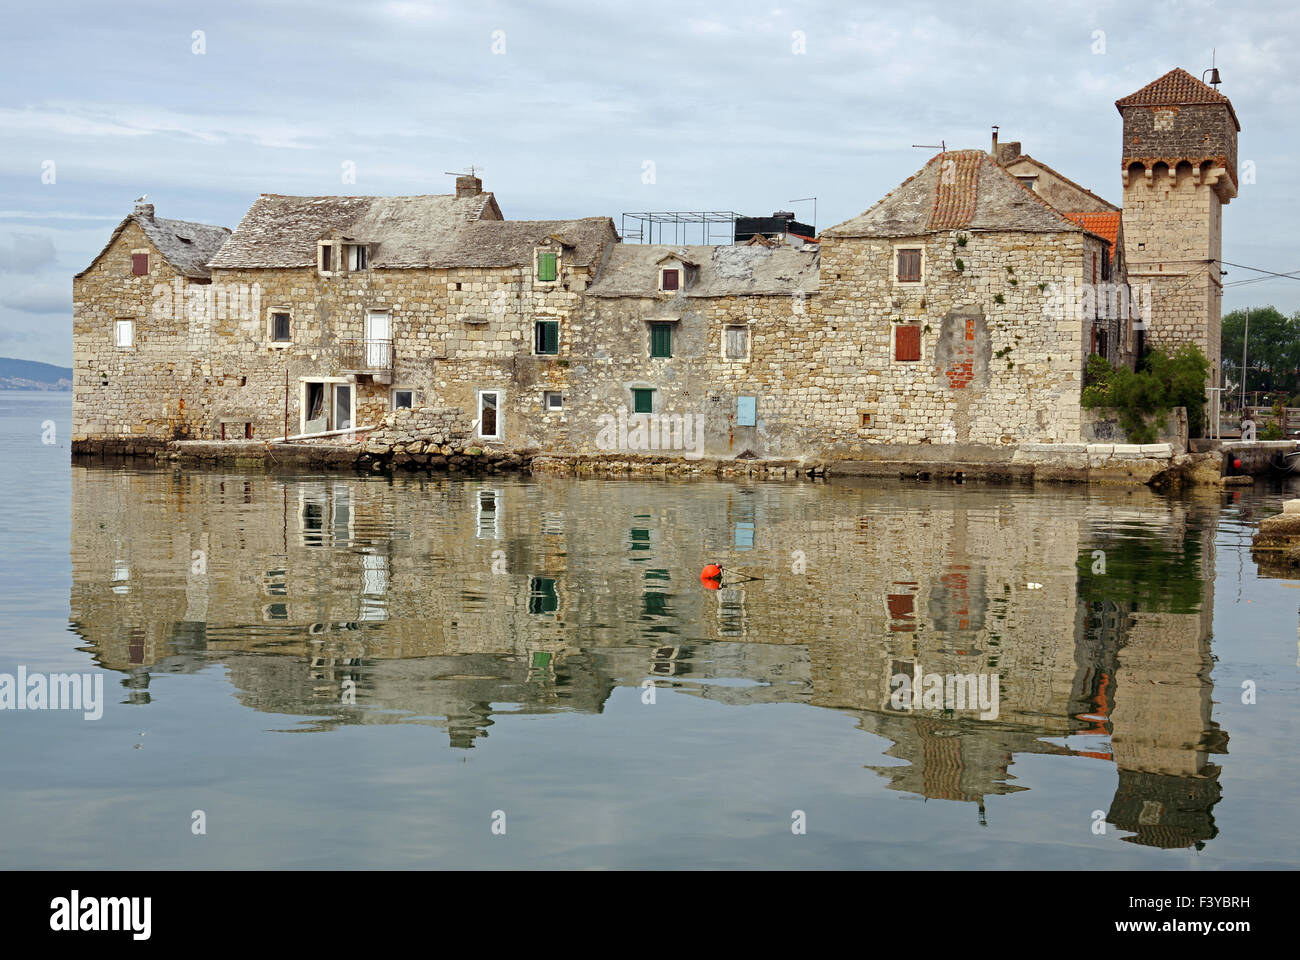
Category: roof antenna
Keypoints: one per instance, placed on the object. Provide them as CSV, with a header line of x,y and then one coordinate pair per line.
x,y
942,147
1213,71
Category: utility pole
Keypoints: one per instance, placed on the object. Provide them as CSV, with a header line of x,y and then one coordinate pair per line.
x,y
1245,337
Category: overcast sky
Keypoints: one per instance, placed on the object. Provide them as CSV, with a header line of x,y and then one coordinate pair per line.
x,y
564,106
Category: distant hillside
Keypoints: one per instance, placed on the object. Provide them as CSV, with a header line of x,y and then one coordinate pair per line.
x,y
31,375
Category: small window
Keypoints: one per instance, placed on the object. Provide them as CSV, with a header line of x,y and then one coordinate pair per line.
x,y
909,265
1105,263
542,596
643,401
124,333
489,415
907,342
546,267
670,279
326,258
735,342
546,337
746,411
139,264
358,257
552,400
1030,182
280,327
661,339
403,399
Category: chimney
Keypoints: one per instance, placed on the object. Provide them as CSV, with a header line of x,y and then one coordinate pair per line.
x,y
468,186
993,152
144,209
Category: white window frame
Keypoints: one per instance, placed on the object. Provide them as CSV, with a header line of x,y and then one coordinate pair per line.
x,y
270,327
893,263
501,403
351,252
393,397
680,270
749,340
329,397
334,258
120,324
546,406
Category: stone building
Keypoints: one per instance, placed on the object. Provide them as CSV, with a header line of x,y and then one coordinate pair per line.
x,y
1179,169
958,311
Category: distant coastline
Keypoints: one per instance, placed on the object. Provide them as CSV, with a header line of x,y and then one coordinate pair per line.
x,y
18,374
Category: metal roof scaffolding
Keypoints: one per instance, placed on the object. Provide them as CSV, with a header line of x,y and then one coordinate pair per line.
x,y
641,227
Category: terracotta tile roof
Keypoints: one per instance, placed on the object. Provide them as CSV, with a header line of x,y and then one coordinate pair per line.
x,y
957,190
972,193
1176,87
1104,225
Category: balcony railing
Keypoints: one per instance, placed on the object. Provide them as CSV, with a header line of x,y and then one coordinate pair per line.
x,y
366,356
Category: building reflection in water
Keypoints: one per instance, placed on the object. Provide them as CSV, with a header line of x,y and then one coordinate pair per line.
x,y
367,600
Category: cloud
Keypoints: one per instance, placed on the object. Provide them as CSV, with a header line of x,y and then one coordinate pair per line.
x,y
25,253
40,299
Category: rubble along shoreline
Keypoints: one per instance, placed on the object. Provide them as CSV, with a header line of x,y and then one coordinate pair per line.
x,y
1070,463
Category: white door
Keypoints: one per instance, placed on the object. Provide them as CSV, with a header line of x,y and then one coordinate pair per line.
x,y
343,406
379,337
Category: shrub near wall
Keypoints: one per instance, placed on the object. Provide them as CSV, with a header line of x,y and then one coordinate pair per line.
x,y
1143,398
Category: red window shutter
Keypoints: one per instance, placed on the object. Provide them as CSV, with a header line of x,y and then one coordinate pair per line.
x,y
907,342
670,279
140,264
901,606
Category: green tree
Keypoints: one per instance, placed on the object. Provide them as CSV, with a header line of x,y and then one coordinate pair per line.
x,y
1144,397
1273,356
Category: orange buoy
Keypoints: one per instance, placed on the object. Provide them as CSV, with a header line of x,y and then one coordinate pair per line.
x,y
711,571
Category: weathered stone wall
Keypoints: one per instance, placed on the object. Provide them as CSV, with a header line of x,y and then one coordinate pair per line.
x,y
1056,190
990,372
819,368
142,391
1173,239
1171,133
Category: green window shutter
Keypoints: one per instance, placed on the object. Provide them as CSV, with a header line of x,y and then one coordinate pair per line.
x,y
643,401
548,337
661,339
546,266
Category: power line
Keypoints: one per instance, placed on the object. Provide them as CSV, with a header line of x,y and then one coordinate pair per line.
x,y
1242,266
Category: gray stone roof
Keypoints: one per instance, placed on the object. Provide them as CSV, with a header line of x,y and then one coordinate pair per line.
x,y
960,189
632,269
186,245
435,231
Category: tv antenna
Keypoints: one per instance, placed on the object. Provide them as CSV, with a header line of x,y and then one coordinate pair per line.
x,y
942,147
814,203
471,172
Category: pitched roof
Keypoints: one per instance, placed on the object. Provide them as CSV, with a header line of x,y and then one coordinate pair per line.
x,y
433,231
956,189
1062,177
1175,88
1104,225
631,269
186,245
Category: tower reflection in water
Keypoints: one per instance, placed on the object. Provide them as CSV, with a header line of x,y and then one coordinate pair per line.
x,y
351,600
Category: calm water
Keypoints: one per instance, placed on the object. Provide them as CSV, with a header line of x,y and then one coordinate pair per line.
x,y
364,672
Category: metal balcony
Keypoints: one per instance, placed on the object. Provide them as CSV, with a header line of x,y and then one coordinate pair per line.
x,y
372,358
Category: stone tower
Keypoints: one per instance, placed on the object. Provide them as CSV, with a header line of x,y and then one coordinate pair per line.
x,y
1179,168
